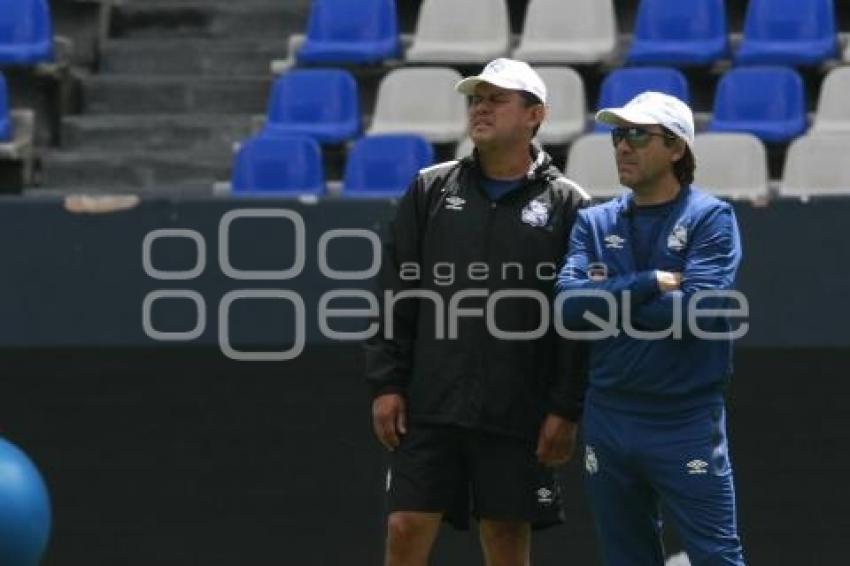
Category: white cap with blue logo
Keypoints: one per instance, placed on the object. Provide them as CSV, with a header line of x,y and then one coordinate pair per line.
x,y
653,108
506,73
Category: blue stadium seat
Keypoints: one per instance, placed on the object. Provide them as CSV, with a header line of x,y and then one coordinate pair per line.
x,y
768,102
673,32
283,164
384,165
788,32
5,117
351,31
321,103
621,85
26,32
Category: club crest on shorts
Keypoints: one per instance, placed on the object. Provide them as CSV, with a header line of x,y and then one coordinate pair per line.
x,y
535,213
591,464
678,238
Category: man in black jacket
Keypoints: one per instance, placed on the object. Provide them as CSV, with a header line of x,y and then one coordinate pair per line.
x,y
474,393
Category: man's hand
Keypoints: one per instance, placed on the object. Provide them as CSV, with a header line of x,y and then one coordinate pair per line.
x,y
388,419
668,281
557,441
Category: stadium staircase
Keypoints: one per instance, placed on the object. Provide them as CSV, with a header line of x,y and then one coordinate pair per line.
x,y
178,83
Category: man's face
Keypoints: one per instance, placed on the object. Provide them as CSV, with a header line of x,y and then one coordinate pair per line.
x,y
498,115
643,157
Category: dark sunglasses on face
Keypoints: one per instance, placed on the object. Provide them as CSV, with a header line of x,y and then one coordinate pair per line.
x,y
636,137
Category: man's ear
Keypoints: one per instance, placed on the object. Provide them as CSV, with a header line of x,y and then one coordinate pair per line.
x,y
680,148
538,113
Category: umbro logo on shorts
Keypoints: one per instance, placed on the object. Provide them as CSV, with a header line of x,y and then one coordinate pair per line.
x,y
697,467
545,495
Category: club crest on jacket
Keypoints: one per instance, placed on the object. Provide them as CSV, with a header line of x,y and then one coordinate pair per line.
x,y
535,213
678,238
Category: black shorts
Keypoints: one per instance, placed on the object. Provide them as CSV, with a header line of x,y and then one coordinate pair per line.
x,y
458,472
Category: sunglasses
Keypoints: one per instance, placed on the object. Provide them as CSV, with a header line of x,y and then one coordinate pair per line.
x,y
636,137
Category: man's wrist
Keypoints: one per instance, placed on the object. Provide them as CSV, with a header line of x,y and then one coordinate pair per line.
x,y
569,412
387,389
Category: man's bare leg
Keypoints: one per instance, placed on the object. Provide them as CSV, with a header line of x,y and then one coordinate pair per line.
x,y
410,537
505,543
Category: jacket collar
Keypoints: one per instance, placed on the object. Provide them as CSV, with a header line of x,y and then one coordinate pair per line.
x,y
626,201
540,162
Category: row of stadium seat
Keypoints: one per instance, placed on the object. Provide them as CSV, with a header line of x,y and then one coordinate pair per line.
x,y
766,101
377,166
667,32
730,165
5,114
26,32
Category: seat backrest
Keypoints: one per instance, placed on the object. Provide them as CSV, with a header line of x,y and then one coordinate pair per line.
x,y
789,19
467,20
26,31
352,20
817,164
279,163
5,117
759,94
833,112
566,105
732,165
415,96
556,21
386,162
676,20
314,96
621,85
590,163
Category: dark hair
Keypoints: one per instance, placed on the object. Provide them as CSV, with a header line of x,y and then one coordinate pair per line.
x,y
684,168
530,99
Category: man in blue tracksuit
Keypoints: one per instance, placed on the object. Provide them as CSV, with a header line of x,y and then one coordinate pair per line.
x,y
654,419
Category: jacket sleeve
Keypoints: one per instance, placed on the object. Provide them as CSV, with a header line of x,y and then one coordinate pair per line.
x,y
566,394
711,264
389,355
574,281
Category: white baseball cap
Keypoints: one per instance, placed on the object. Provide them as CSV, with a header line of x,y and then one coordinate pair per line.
x,y
506,73
649,108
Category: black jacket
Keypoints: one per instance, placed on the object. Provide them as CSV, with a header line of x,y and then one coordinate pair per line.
x,y
475,379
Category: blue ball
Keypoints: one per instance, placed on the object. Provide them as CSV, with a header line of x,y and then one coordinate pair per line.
x,y
24,509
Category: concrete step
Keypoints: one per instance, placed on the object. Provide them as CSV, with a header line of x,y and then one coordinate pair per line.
x,y
151,94
200,188
132,171
155,132
211,19
190,57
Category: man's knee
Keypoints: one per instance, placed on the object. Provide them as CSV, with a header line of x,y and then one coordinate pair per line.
x,y
504,530
407,530
505,542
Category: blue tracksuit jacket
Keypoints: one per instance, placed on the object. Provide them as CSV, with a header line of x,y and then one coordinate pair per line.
x,y
698,238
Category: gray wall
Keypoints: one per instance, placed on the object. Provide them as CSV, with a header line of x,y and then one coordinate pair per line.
x,y
78,280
